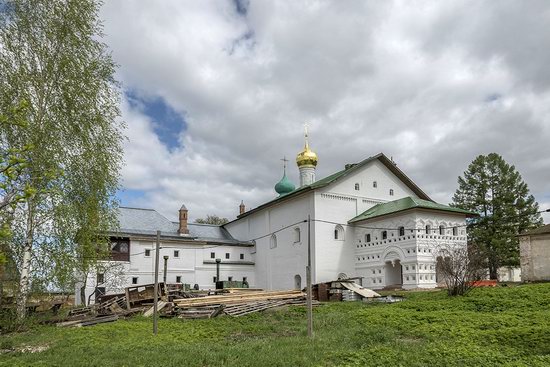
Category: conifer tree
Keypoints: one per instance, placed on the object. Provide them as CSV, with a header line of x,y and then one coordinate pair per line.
x,y
496,190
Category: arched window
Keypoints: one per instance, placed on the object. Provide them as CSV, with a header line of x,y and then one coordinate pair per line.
x,y
339,233
296,234
428,228
401,231
273,241
356,187
367,237
441,230
391,192
384,235
374,184
455,231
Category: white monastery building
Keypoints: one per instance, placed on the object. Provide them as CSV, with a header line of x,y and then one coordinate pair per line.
x,y
368,220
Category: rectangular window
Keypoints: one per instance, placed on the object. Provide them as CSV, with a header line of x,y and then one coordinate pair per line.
x,y
401,231
227,255
230,279
384,235
135,280
100,278
212,255
178,279
244,280
120,249
214,279
455,231
147,252
176,253
241,256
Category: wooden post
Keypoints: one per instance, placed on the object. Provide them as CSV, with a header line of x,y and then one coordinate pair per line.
x,y
308,280
165,270
155,306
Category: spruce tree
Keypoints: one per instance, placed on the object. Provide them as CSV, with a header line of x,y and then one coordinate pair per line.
x,y
496,190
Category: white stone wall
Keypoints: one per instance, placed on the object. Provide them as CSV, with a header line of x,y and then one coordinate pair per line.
x,y
194,265
277,267
416,250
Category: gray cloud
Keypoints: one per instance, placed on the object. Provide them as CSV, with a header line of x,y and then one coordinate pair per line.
x,y
432,84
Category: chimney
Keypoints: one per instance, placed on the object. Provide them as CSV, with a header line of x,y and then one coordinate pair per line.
x,y
242,208
183,221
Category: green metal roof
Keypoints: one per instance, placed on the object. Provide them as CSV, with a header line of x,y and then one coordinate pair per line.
x,y
406,204
340,174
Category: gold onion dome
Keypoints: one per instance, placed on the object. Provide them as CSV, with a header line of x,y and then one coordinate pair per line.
x,y
306,157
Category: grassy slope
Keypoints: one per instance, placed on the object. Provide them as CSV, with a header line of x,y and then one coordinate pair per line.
x,y
502,326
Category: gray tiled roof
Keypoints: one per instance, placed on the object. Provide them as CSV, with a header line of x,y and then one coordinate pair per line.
x,y
147,222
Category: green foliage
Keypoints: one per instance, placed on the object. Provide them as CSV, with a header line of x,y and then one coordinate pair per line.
x,y
52,58
495,190
212,219
505,326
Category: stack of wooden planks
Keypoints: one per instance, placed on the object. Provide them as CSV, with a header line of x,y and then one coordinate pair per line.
x,y
238,303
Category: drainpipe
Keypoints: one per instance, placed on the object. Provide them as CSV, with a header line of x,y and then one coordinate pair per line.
x,y
218,261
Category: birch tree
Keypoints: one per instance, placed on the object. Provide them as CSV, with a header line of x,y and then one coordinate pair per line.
x,y
52,57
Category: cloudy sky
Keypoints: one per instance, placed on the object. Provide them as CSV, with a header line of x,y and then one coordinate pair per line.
x,y
216,93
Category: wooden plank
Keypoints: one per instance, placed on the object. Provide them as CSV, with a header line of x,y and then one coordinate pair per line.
x,y
160,306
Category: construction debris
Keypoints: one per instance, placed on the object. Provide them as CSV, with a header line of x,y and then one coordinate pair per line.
x,y
342,290
181,302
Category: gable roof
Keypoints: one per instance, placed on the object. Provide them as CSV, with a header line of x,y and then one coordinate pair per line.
x,y
146,222
350,169
403,204
541,230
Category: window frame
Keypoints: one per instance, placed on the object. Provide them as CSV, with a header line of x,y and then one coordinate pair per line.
x,y
135,280
384,235
357,186
176,254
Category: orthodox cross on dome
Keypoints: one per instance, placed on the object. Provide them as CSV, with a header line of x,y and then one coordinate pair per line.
x,y
306,126
284,163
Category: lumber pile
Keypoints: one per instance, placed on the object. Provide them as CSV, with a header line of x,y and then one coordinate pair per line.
x,y
237,303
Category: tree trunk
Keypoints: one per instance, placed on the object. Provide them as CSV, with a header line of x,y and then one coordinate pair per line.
x,y
25,267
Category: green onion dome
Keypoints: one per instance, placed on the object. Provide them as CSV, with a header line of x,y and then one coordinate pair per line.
x,y
284,186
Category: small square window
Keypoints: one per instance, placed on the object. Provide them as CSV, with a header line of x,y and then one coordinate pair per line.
x,y
134,280
178,279
212,255
227,255
230,279
241,256
176,253
374,271
147,252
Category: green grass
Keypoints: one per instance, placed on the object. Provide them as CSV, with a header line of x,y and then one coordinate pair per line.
x,y
506,326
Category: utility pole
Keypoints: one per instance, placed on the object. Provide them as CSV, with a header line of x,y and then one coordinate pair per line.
x,y
155,306
308,280
165,269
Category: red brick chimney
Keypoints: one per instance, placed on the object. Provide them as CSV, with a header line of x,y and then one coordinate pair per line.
x,y
183,221
242,208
